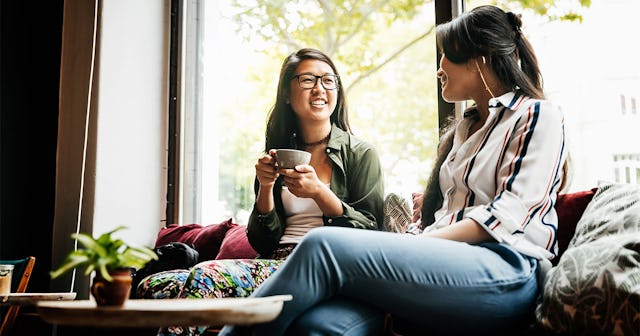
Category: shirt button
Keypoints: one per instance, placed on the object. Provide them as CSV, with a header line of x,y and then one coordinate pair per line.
x,y
330,220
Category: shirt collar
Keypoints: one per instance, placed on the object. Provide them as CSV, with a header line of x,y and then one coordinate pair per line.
x,y
509,99
470,112
337,138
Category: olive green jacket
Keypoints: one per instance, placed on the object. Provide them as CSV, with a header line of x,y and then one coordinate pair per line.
x,y
356,179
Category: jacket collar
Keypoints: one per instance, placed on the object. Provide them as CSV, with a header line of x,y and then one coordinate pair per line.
x,y
338,137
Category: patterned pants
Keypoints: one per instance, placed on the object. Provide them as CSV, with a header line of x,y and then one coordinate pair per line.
x,y
211,279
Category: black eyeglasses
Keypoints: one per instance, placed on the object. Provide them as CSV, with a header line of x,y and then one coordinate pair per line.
x,y
308,81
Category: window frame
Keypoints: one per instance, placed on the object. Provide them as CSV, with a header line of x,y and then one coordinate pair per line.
x,y
182,179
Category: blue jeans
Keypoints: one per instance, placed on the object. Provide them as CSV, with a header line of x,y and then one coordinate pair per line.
x,y
439,286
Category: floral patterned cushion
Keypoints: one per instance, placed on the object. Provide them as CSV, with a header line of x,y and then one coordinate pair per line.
x,y
209,279
228,278
595,288
162,285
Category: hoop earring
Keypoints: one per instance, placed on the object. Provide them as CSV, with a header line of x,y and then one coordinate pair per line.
x,y
482,77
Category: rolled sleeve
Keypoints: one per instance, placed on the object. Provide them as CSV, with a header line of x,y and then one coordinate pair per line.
x,y
363,207
528,179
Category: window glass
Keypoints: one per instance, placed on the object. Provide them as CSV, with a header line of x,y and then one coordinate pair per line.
x,y
386,58
625,166
591,72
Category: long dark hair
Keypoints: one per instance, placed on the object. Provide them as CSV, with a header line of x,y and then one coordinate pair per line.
x,y
282,125
495,34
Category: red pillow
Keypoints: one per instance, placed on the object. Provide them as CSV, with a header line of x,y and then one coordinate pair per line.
x,y
204,239
236,244
178,233
570,208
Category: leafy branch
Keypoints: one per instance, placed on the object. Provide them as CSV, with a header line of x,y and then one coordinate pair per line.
x,y
104,254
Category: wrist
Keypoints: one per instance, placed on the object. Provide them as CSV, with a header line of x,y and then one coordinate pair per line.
x,y
323,190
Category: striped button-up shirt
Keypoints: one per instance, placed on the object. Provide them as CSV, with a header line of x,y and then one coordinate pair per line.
x,y
506,176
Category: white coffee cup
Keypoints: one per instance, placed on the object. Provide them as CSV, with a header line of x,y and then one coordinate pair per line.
x,y
289,158
5,278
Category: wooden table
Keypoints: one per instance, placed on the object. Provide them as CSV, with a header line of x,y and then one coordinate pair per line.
x,y
164,312
31,299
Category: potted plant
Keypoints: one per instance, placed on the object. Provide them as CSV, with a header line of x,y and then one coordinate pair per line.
x,y
112,259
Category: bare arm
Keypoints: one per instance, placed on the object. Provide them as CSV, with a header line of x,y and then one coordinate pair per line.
x,y
466,230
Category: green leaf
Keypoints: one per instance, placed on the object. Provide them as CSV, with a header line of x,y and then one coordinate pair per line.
x,y
104,254
104,273
144,253
571,17
72,261
89,269
90,244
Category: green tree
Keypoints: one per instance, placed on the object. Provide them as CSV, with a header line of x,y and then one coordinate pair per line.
x,y
347,29
385,51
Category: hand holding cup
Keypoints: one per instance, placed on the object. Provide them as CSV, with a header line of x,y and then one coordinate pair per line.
x,y
266,170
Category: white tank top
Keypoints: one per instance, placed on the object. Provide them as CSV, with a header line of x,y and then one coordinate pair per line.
x,y
303,215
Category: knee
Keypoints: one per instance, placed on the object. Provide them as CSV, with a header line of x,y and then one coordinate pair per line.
x,y
339,316
324,235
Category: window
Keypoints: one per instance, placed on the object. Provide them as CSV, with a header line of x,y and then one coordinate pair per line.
x,y
232,53
627,168
591,83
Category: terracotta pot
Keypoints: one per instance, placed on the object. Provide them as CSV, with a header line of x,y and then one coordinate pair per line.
x,y
113,293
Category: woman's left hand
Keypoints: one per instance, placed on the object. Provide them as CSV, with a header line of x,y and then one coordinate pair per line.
x,y
302,181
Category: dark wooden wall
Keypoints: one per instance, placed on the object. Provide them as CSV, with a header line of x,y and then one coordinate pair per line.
x,y
30,46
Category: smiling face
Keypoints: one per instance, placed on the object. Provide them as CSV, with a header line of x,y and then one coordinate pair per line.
x,y
458,81
317,103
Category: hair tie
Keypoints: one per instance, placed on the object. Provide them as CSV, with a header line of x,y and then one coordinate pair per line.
x,y
516,22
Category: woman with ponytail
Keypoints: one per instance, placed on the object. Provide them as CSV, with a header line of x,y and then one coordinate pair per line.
x,y
488,217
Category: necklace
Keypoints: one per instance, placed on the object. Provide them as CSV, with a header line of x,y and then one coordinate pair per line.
x,y
315,143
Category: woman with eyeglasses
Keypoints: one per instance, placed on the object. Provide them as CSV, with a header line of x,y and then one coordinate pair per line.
x,y
474,269
342,185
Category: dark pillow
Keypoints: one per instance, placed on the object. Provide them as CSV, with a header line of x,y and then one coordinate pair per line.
x,y
204,239
595,288
614,210
570,208
171,256
236,244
